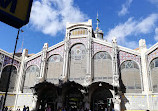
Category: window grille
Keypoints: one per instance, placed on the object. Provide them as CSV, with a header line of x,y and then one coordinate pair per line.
x,y
30,78
130,75
154,75
77,62
54,71
103,67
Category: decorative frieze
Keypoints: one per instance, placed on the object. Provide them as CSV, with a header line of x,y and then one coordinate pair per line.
x,y
36,61
152,55
123,56
59,50
78,40
98,47
8,60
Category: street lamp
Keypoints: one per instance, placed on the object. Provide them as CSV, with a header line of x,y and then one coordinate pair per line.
x,y
10,70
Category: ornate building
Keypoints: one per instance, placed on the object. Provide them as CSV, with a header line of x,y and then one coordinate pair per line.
x,y
83,71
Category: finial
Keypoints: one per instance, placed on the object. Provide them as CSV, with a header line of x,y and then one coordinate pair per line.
x,y
97,22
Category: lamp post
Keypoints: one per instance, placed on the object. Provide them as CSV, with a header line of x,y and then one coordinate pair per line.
x,y
10,70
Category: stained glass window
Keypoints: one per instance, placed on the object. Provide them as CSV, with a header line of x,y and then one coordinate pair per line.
x,y
154,63
33,69
79,32
129,64
55,58
102,55
78,52
77,61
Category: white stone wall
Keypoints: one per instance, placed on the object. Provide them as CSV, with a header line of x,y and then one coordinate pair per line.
x,y
134,102
24,99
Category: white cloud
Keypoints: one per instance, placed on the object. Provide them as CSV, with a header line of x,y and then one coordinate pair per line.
x,y
154,2
125,7
156,34
50,16
131,28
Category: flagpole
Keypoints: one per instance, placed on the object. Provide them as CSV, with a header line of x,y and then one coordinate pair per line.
x,y
97,22
10,71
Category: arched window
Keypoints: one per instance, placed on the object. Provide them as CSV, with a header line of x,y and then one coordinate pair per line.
x,y
130,76
103,67
77,63
4,78
55,66
31,75
154,74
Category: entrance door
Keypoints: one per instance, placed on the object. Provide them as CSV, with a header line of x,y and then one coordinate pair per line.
x,y
74,100
101,100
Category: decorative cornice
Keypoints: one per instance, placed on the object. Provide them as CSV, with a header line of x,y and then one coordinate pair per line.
x,y
10,55
55,46
33,56
151,49
103,42
129,50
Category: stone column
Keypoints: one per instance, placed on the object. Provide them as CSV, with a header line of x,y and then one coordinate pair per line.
x,y
145,76
117,102
21,71
88,77
65,75
34,103
20,79
116,85
42,75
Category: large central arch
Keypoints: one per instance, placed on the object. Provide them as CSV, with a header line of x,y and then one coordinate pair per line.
x,y
100,96
47,94
72,94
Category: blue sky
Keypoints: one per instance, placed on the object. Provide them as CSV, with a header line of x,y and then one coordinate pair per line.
x,y
127,20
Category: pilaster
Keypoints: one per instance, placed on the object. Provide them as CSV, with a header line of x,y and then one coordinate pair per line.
x,y
21,71
42,75
116,85
20,78
143,49
65,75
88,77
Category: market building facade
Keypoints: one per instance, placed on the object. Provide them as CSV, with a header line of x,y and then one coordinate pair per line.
x,y
83,71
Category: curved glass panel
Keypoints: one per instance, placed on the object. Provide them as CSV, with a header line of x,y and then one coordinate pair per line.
x,y
77,62
4,78
154,74
55,66
130,75
30,78
103,67
102,55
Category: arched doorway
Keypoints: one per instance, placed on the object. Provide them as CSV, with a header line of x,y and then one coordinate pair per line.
x,y
73,99
47,94
101,97
5,76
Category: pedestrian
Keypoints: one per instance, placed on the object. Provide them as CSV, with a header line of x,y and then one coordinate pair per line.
x,y
6,108
24,108
48,108
27,108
